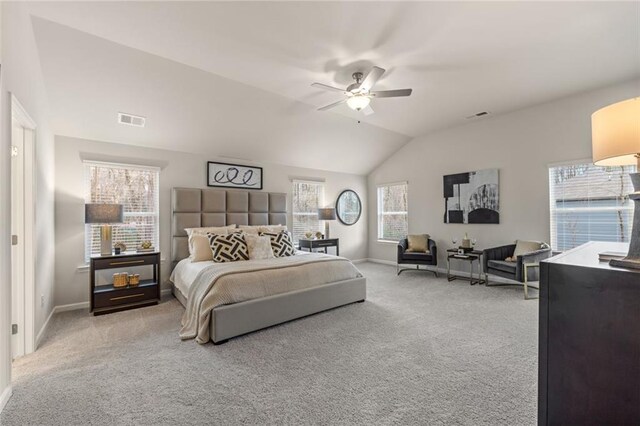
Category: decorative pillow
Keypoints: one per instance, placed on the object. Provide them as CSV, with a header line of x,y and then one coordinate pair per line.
x,y
199,249
228,248
259,247
524,247
281,243
418,243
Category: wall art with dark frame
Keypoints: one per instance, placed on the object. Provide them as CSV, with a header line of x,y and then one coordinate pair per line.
x,y
228,175
472,197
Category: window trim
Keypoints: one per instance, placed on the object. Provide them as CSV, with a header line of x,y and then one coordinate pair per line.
x,y
379,214
86,164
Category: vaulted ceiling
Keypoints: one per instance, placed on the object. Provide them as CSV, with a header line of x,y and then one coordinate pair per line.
x,y
233,78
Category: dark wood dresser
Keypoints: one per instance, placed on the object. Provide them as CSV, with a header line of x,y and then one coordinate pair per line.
x,y
105,298
589,347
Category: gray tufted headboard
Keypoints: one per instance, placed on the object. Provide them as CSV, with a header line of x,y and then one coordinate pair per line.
x,y
194,207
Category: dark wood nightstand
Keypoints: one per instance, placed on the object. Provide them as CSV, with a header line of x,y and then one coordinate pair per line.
x,y
105,298
314,244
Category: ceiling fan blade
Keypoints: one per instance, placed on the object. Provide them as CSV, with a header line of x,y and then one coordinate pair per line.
x,y
368,110
391,93
335,104
326,87
371,79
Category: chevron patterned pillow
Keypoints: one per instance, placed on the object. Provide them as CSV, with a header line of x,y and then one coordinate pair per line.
x,y
281,243
228,248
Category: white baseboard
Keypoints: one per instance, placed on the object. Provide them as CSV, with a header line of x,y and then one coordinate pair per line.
x,y
383,262
71,307
43,330
5,396
359,261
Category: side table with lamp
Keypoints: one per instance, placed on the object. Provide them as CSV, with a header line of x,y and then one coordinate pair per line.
x,y
590,309
124,291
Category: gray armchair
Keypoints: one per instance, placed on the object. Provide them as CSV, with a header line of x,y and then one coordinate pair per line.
x,y
429,258
495,263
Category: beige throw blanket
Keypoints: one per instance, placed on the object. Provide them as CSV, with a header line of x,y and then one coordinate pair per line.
x,y
226,283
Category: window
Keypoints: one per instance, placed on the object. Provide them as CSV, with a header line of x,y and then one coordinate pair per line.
x,y
392,212
136,187
307,198
589,203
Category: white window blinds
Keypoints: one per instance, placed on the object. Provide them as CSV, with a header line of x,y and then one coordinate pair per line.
x,y
589,203
393,223
137,188
307,198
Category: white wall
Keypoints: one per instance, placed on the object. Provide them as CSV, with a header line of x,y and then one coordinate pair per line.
x,y
21,75
5,262
178,170
521,144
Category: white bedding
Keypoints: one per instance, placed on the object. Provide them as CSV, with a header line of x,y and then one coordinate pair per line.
x,y
185,272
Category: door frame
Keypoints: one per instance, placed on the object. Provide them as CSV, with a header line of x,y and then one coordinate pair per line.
x,y
22,118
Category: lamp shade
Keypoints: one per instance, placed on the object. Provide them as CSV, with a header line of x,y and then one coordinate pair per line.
x,y
328,213
615,133
103,213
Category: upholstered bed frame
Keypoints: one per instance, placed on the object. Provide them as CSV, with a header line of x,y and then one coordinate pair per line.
x,y
193,207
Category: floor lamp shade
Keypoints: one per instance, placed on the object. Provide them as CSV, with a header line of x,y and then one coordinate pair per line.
x,y
327,214
105,215
615,133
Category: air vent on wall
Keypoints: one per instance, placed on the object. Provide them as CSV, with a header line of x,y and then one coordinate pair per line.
x,y
131,120
478,115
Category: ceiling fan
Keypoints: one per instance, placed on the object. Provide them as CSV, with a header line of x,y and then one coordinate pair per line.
x,y
359,94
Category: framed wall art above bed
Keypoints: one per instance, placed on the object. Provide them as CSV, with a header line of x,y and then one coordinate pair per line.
x,y
228,175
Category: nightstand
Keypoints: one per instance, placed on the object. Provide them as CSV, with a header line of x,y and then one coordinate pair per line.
x,y
314,244
105,298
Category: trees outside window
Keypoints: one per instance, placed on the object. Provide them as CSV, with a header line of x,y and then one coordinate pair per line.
x,y
137,188
307,198
392,212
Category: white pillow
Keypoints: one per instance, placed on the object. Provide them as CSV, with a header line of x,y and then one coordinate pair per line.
x,y
524,247
256,229
249,229
259,247
272,228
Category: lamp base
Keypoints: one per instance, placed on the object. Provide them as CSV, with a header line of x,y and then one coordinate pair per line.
x,y
627,262
632,261
106,244
326,229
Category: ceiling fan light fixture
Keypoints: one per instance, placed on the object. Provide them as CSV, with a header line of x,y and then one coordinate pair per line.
x,y
358,102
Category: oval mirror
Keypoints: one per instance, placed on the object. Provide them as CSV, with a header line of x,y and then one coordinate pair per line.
x,y
348,207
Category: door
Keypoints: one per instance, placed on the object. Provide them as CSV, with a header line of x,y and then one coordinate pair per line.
x,y
17,240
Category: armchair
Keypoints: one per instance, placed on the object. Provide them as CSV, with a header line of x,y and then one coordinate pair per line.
x,y
495,263
429,258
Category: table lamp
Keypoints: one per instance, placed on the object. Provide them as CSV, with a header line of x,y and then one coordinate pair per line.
x,y
615,132
327,214
105,215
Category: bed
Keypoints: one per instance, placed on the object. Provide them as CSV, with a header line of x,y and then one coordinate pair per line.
x,y
246,296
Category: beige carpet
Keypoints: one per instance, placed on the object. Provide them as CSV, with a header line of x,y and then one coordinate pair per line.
x,y
421,350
